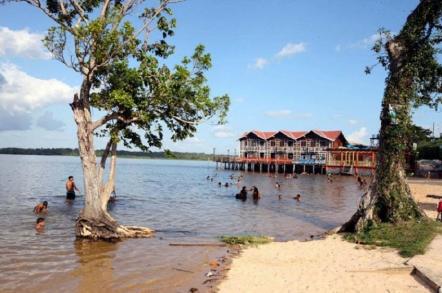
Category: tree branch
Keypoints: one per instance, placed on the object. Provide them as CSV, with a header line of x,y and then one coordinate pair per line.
x,y
103,162
113,116
104,9
37,4
79,10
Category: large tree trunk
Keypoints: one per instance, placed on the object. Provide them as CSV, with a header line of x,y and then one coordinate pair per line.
x,y
389,198
94,221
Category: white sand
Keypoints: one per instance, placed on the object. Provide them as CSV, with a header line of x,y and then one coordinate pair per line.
x,y
330,265
420,188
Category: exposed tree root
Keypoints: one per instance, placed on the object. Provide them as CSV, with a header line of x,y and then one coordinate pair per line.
x,y
106,229
363,214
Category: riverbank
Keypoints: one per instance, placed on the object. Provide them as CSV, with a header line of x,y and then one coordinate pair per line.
x,y
330,264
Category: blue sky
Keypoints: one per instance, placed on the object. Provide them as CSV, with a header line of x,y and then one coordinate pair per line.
x,y
286,64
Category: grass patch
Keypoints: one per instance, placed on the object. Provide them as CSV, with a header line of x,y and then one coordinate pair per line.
x,y
247,240
410,238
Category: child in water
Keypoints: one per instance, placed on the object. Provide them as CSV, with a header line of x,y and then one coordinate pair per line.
x,y
41,208
40,224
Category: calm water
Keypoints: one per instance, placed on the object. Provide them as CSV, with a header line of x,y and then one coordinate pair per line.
x,y
172,197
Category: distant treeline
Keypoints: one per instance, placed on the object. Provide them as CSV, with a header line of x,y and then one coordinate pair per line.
x,y
131,154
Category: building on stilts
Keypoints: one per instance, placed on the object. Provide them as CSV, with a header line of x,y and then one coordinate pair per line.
x,y
313,152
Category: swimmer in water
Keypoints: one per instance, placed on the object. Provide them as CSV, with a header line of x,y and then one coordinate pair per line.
x,y
41,208
40,224
297,197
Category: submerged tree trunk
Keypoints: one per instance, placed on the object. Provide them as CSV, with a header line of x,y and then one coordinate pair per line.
x,y
94,221
389,198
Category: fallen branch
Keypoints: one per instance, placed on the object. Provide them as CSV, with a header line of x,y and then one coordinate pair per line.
x,y
198,244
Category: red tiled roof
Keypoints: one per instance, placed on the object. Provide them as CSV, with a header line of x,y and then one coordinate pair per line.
x,y
333,135
330,135
261,134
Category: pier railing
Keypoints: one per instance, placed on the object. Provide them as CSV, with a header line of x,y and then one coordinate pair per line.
x,y
236,159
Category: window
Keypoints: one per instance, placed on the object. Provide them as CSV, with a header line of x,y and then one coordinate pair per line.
x,y
290,156
324,143
281,143
303,143
272,155
245,142
272,143
261,142
290,143
261,155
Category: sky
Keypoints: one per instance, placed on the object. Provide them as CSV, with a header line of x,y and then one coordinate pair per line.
x,y
286,65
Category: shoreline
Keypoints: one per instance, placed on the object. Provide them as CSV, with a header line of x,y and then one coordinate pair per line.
x,y
338,265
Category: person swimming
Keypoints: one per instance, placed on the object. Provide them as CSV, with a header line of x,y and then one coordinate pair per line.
x,y
255,193
219,184
226,184
242,194
297,197
41,208
40,224
277,185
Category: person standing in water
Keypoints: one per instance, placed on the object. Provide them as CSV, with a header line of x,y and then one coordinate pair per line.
x,y
255,194
70,188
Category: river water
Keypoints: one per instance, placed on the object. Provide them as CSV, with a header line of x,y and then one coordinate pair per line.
x,y
172,197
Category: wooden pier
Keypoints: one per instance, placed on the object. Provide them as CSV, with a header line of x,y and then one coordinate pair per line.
x,y
260,165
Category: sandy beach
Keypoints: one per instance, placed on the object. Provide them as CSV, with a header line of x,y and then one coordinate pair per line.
x,y
331,264
420,188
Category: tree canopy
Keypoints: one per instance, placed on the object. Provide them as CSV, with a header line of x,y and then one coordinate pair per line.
x,y
125,69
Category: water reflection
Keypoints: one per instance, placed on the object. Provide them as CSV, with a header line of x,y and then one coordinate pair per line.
x,y
172,197
95,264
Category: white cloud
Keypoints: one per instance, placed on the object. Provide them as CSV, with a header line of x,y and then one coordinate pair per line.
x,y
223,131
48,122
365,43
22,43
20,92
260,63
358,136
291,49
286,113
353,121
14,121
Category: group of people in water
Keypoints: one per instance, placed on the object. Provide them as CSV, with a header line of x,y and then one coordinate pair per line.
x,y
244,191
41,209
242,195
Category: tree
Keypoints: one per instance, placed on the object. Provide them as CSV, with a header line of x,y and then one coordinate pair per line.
x,y
419,135
125,77
414,79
